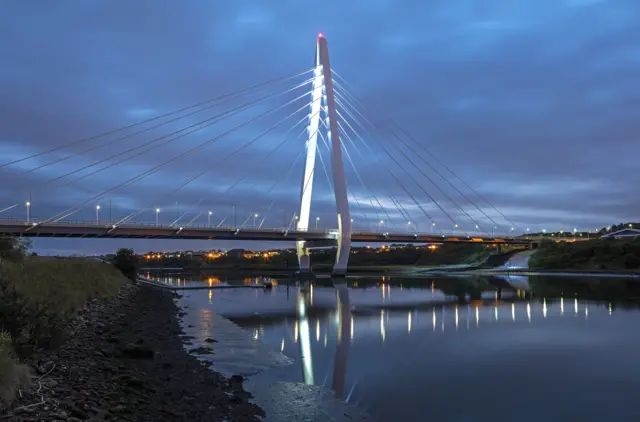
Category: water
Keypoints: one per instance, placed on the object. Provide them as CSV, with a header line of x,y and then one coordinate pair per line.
x,y
444,349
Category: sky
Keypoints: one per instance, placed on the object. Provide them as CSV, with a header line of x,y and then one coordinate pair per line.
x,y
534,104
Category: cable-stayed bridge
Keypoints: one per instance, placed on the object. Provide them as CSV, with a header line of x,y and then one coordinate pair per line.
x,y
385,186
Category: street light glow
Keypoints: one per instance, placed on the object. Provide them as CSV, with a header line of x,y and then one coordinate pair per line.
x,y
97,207
28,203
157,209
210,213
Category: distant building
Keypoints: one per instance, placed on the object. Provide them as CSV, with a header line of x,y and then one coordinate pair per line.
x,y
622,234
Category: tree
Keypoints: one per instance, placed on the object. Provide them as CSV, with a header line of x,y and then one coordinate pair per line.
x,y
125,260
13,249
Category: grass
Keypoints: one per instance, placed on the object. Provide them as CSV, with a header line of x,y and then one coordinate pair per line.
x,y
599,255
13,375
39,296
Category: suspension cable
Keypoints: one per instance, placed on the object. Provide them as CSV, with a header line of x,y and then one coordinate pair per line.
x,y
226,98
201,125
425,150
110,132
159,166
398,164
426,176
279,145
209,168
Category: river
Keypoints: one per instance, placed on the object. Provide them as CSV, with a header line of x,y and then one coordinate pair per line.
x,y
433,348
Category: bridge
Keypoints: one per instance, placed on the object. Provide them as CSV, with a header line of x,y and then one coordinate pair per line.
x,y
92,230
408,194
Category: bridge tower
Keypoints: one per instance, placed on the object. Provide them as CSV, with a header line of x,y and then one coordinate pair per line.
x,y
323,99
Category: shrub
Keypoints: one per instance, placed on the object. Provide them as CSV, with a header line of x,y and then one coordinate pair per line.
x,y
13,376
39,297
125,260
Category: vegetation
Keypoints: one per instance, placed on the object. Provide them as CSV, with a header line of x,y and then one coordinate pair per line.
x,y
592,255
13,375
126,261
40,295
38,298
360,257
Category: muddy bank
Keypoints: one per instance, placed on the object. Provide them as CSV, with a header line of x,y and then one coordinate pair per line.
x,y
125,361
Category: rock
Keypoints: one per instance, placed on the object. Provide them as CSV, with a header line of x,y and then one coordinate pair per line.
x,y
74,373
135,351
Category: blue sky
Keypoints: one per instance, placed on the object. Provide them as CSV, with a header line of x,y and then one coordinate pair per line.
x,y
535,104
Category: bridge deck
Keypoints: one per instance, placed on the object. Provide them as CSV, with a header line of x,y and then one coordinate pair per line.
x,y
87,230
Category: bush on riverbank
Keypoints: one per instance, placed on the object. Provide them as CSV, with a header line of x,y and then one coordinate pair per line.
x,y
40,295
125,260
13,375
595,255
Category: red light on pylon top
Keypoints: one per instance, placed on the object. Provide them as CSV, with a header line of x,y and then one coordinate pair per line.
x,y
320,35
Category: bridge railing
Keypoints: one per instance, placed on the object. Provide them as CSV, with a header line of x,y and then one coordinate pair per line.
x,y
214,227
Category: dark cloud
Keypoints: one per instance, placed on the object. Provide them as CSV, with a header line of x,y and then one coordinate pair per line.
x,y
535,104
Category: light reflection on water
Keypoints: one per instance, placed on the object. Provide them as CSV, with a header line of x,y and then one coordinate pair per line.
x,y
400,352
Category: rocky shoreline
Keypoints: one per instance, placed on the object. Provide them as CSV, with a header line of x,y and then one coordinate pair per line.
x,y
125,361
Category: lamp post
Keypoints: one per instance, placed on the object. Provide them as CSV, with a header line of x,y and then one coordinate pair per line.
x,y
433,227
455,226
97,215
380,224
209,219
28,204
157,213
317,221
254,220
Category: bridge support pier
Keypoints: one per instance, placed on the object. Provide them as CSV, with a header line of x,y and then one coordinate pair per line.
x,y
323,100
304,257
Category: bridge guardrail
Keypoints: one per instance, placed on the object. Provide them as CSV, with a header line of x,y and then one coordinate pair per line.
x,y
108,225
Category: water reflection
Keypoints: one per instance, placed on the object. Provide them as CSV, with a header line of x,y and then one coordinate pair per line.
x,y
344,338
305,340
357,336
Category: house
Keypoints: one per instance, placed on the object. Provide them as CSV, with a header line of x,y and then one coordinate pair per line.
x,y
622,234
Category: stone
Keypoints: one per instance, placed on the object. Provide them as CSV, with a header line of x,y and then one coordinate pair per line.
x,y
135,351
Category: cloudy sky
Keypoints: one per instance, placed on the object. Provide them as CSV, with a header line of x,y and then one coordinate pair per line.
x,y
534,103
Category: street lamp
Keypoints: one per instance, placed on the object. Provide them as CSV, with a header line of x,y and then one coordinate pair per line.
x,y
455,226
317,220
209,219
254,220
380,224
97,215
433,227
157,212
28,204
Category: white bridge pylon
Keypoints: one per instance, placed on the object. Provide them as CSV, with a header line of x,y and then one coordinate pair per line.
x,y
323,100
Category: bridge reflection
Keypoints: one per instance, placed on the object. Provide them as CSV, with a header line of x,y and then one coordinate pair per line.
x,y
468,304
344,335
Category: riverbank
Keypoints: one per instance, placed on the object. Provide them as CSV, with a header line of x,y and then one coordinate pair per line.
x,y
125,360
